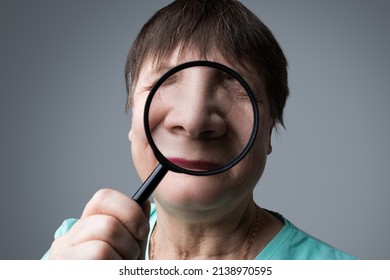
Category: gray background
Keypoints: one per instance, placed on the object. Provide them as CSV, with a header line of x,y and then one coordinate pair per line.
x,y
64,130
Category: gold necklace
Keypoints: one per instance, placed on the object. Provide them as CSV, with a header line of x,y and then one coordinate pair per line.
x,y
244,257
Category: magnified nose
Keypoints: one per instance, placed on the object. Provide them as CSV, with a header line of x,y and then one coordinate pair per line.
x,y
201,118
195,106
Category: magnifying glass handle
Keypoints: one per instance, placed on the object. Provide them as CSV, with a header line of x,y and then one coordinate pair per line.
x,y
148,187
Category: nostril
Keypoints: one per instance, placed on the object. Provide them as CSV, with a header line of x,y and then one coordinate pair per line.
x,y
209,134
196,126
177,130
192,133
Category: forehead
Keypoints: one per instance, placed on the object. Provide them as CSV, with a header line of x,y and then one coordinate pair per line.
x,y
154,67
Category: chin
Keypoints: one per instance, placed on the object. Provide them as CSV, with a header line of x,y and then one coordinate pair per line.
x,y
196,192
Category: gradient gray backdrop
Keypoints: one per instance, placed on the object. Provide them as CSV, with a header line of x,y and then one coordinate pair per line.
x,y
64,130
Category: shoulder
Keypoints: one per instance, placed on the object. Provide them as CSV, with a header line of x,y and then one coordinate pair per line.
x,y
291,243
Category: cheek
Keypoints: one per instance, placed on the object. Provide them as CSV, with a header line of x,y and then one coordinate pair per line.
x,y
255,161
142,154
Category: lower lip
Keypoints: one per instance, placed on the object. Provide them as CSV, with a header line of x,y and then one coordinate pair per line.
x,y
194,165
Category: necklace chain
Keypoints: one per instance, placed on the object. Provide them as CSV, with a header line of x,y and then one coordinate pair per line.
x,y
254,232
244,257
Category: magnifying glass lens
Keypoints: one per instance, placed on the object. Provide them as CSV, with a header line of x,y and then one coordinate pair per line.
x,y
200,119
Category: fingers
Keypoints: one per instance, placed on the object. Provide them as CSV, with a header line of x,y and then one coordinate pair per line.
x,y
112,226
90,250
107,229
127,211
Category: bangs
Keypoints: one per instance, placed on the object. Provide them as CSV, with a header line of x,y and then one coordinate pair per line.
x,y
209,27
201,26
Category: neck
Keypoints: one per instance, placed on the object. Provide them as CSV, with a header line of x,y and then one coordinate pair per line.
x,y
213,234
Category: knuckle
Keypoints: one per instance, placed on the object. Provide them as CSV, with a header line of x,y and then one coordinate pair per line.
x,y
103,251
97,202
102,195
109,225
58,248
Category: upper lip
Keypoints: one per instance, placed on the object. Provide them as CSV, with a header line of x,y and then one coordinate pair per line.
x,y
194,165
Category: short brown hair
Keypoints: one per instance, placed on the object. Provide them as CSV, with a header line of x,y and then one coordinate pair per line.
x,y
225,25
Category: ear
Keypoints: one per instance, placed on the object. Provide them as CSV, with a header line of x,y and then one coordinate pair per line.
x,y
272,125
130,135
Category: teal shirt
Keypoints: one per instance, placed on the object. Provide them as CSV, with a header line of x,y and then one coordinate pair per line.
x,y
290,243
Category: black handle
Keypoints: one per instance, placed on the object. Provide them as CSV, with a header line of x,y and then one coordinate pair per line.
x,y
148,187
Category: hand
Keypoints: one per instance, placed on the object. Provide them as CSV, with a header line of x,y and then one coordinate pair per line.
x,y
112,226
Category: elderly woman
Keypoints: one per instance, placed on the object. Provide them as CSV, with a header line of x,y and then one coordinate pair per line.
x,y
196,217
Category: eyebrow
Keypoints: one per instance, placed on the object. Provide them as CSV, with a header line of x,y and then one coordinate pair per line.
x,y
157,70
152,76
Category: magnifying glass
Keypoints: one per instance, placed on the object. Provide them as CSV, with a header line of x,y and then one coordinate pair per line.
x,y
201,119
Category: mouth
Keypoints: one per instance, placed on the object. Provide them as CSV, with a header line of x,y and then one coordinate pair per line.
x,y
194,165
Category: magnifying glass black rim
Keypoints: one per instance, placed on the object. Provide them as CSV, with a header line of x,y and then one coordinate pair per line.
x,y
175,168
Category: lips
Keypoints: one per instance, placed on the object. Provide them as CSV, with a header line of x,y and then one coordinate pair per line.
x,y
194,165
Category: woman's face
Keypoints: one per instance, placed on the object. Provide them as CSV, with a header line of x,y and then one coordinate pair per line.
x,y
199,130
